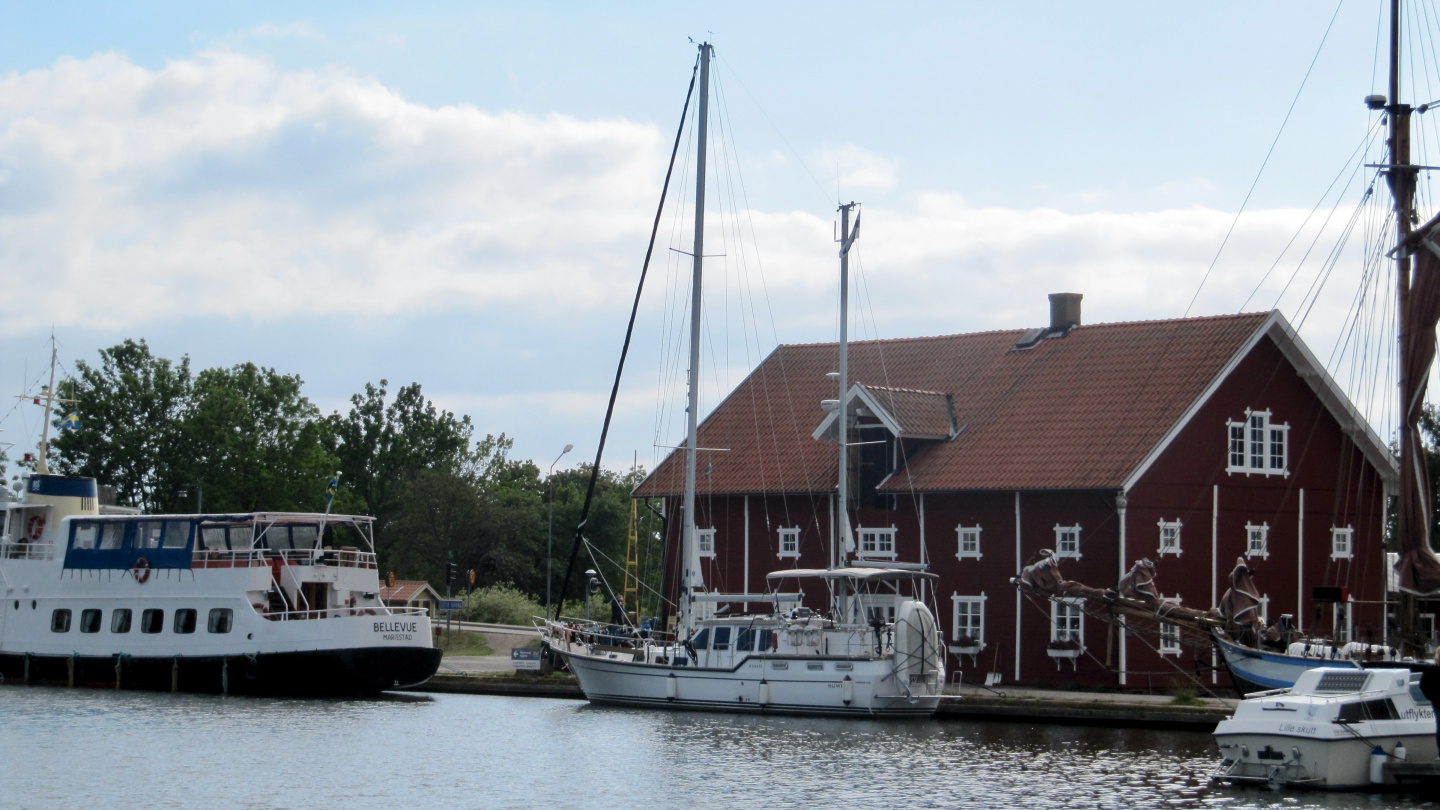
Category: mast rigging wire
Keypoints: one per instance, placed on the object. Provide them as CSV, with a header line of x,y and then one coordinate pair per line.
x,y
625,348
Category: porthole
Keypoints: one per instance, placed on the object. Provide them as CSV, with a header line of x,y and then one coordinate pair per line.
x,y
32,604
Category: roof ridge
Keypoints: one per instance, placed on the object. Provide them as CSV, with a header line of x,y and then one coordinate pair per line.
x,y
1022,330
896,388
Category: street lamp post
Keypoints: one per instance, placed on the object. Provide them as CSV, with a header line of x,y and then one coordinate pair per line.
x,y
550,531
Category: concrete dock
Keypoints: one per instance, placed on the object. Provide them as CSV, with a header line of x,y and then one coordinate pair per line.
x,y
492,675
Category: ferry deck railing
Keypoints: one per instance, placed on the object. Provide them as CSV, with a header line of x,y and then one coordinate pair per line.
x,y
27,551
339,558
342,612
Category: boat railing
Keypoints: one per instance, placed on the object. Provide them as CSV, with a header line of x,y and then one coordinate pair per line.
x,y
28,551
377,611
589,631
247,558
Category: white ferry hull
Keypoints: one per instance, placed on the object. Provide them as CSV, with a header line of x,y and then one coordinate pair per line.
x,y
755,687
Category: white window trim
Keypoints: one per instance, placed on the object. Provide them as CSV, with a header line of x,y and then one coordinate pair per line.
x,y
1063,553
700,535
781,535
955,600
1349,534
960,552
1075,603
1264,552
1167,649
1170,524
1247,461
874,555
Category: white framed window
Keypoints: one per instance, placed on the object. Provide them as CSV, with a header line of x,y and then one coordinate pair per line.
x,y
705,541
969,619
1170,537
1258,445
1067,621
1170,633
1257,540
1342,543
876,543
789,542
969,540
1067,541
1341,612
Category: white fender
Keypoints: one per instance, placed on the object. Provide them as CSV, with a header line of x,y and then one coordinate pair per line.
x,y
848,689
671,687
764,692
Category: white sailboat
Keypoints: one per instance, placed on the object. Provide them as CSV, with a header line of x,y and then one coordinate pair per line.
x,y
875,650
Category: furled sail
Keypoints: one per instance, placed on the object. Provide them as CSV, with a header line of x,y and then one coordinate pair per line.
x,y
1418,568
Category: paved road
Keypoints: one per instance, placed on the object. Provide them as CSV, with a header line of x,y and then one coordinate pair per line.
x,y
476,663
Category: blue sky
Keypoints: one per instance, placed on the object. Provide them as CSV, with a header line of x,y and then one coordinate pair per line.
x,y
459,194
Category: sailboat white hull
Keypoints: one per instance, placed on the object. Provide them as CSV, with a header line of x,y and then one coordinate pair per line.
x,y
759,685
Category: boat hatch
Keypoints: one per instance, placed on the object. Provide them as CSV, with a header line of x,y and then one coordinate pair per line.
x,y
1361,711
1342,683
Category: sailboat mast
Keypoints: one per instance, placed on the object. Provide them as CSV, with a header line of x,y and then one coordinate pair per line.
x,y
842,435
1401,177
689,546
40,465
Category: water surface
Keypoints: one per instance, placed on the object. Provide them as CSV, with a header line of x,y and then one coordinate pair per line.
x,y
77,748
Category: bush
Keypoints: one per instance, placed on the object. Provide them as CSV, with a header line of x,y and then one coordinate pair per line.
x,y
501,604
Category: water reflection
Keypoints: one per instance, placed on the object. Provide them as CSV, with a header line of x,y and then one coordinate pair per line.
x,y
70,748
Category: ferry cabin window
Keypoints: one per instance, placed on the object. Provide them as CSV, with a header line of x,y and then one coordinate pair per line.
x,y
277,537
185,620
220,620
745,640
212,538
60,621
177,533
241,538
701,641
120,620
722,639
87,536
111,535
304,537
152,620
148,533
90,620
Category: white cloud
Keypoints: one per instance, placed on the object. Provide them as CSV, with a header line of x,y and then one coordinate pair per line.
x,y
220,185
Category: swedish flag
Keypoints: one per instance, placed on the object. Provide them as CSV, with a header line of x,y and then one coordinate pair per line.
x,y
330,489
71,422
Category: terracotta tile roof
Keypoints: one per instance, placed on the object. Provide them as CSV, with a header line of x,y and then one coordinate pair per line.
x,y
404,590
1079,411
920,414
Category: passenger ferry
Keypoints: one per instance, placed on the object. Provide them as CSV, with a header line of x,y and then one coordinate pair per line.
x,y
256,603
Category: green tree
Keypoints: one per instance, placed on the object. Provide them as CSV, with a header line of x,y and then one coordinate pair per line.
x,y
131,411
252,441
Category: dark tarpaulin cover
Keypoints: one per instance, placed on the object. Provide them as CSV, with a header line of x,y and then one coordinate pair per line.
x,y
1419,568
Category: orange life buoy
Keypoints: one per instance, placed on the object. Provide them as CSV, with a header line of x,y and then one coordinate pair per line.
x,y
35,526
141,571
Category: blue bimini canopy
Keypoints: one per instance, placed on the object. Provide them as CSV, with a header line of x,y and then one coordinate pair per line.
x,y
120,543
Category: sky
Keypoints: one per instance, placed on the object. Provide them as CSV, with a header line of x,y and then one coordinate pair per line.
x,y
460,195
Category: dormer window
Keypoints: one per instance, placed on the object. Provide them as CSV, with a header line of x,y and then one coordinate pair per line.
x,y
1258,446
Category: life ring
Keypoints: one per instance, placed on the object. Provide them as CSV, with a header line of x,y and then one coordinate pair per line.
x,y
141,571
34,527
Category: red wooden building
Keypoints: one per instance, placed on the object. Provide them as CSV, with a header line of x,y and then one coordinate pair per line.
x,y
1191,442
